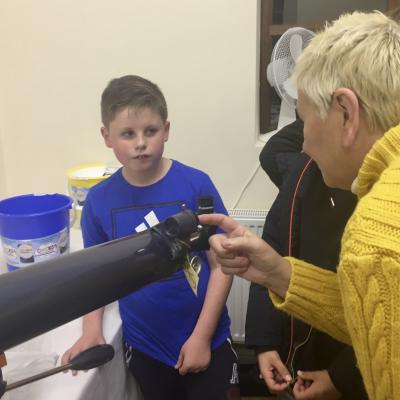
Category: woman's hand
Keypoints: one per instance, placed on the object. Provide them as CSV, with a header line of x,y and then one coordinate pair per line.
x,y
240,252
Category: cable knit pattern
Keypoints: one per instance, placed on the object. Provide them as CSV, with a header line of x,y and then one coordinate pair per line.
x,y
368,275
312,292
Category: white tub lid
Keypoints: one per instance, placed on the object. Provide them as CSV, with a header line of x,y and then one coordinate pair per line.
x,y
93,172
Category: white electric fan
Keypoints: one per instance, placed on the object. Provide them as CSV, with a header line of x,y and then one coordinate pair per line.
x,y
279,71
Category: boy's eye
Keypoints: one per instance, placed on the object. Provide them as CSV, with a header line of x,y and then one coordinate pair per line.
x,y
151,131
127,134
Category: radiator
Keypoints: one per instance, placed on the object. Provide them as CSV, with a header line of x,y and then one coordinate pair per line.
x,y
239,294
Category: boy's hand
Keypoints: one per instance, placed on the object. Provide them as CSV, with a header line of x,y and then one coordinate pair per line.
x,y
195,356
273,371
83,343
315,385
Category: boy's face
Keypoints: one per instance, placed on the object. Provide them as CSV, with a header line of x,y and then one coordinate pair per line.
x,y
137,136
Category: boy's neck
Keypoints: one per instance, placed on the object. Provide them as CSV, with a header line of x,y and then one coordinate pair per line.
x,y
146,178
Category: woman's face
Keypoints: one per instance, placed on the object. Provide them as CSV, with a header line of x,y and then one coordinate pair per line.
x,y
323,143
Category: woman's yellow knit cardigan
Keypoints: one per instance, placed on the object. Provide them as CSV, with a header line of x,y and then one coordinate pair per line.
x,y
360,305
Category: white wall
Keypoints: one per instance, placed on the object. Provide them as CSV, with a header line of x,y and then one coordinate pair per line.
x,y
2,164
58,55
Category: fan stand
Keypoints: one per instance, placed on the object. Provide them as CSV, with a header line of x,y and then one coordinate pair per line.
x,y
287,115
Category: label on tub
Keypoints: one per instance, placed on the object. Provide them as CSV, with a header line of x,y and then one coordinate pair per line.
x,y
79,194
21,253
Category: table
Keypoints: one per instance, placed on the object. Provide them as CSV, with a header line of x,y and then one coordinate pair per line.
x,y
108,382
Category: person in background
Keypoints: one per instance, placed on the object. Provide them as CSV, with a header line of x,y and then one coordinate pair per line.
x,y
348,84
177,341
307,221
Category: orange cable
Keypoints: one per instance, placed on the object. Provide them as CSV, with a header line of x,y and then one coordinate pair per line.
x,y
290,249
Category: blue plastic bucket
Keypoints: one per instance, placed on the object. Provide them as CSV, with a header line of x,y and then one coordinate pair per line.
x,y
34,228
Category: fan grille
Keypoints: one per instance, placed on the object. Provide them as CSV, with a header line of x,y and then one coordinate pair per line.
x,y
282,63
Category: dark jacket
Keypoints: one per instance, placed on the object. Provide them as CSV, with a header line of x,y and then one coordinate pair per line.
x,y
306,221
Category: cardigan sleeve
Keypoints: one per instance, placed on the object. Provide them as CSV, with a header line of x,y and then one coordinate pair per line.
x,y
314,297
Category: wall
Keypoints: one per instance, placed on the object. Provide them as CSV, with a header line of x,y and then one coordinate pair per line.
x,y
2,164
58,55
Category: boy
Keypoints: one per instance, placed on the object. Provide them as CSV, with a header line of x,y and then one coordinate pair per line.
x,y
177,343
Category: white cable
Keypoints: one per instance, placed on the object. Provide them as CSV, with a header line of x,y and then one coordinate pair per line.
x,y
291,367
253,174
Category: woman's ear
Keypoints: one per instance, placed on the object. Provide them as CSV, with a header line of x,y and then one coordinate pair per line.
x,y
106,136
347,105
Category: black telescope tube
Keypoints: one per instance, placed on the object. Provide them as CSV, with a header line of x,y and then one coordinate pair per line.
x,y
41,297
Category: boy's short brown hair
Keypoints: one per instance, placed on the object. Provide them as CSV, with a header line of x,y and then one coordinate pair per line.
x,y
131,91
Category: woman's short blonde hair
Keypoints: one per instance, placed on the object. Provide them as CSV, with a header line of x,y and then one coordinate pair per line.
x,y
361,52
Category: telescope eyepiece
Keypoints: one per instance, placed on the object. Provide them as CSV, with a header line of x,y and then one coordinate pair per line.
x,y
181,226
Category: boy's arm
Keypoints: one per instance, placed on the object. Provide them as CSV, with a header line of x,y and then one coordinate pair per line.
x,y
92,335
195,354
92,323
218,289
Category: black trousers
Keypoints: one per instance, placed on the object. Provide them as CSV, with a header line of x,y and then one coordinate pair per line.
x,y
158,381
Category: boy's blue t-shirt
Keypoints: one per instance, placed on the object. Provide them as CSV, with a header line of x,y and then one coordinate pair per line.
x,y
159,318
